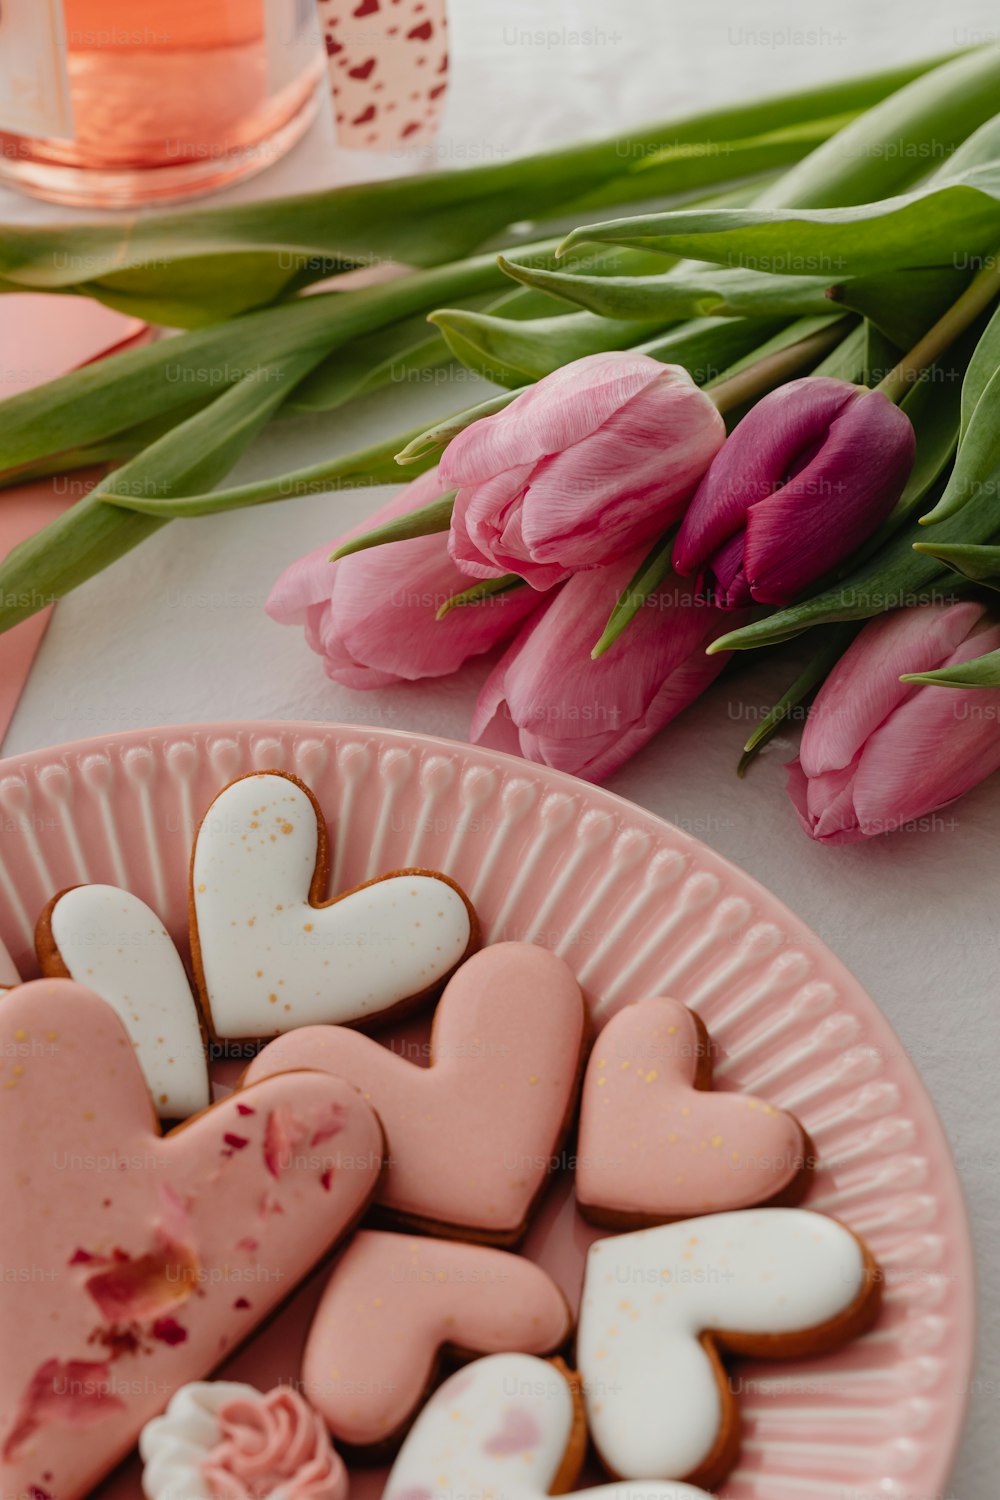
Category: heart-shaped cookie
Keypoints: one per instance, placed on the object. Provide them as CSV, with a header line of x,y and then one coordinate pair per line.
x,y
271,954
658,1306
110,941
394,1303
134,1262
509,1426
656,1143
9,977
473,1136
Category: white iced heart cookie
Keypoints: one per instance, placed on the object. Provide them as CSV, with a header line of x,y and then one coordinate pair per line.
x,y
659,1304
509,1426
219,1440
271,955
110,941
9,977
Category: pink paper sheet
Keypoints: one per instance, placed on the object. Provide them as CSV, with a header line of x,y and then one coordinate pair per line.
x,y
42,336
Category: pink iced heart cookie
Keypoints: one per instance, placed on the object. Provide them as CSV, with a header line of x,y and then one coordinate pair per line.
x,y
395,1303
142,1260
656,1143
270,953
472,1137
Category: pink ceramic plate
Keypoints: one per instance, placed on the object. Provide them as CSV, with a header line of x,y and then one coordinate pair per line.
x,y
637,908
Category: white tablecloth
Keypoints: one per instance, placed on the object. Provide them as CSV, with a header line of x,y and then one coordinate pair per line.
x,y
176,632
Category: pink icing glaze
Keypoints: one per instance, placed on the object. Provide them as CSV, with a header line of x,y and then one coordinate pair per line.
x,y
393,1301
652,1147
518,1433
471,1137
91,1190
277,1443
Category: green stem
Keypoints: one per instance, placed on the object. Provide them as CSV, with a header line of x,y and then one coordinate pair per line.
x,y
773,369
975,299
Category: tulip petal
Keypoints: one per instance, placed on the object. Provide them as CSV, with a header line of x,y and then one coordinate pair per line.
x,y
833,503
728,581
864,687
936,746
756,458
825,804
372,615
309,580
552,415
566,710
626,484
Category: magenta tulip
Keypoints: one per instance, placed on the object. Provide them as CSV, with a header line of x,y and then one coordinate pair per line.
x,y
595,458
878,754
807,476
547,700
371,616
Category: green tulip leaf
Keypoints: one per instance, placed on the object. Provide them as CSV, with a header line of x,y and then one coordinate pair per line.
x,y
510,352
433,440
847,360
112,395
687,292
979,562
486,588
976,476
425,521
982,367
980,672
194,455
189,266
641,586
951,221
904,304
812,676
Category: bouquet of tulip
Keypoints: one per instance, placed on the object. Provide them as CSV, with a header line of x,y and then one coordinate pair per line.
x,y
722,423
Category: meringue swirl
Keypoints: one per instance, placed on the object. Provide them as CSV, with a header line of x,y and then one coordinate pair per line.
x,y
273,1448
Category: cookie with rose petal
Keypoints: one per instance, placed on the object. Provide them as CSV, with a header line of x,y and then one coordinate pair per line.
x,y
135,1262
396,1305
219,1440
110,941
657,1142
661,1307
271,953
509,1426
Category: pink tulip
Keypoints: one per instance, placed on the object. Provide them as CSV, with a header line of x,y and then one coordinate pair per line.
x,y
801,482
371,616
877,753
595,458
547,700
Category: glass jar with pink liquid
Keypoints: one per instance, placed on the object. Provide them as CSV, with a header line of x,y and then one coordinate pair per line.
x,y
110,103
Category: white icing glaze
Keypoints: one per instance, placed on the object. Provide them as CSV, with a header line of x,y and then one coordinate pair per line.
x,y
500,1427
173,1447
9,976
651,1391
270,960
117,946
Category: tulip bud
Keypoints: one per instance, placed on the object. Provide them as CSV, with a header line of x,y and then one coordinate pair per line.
x,y
807,476
372,616
596,458
878,754
548,700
